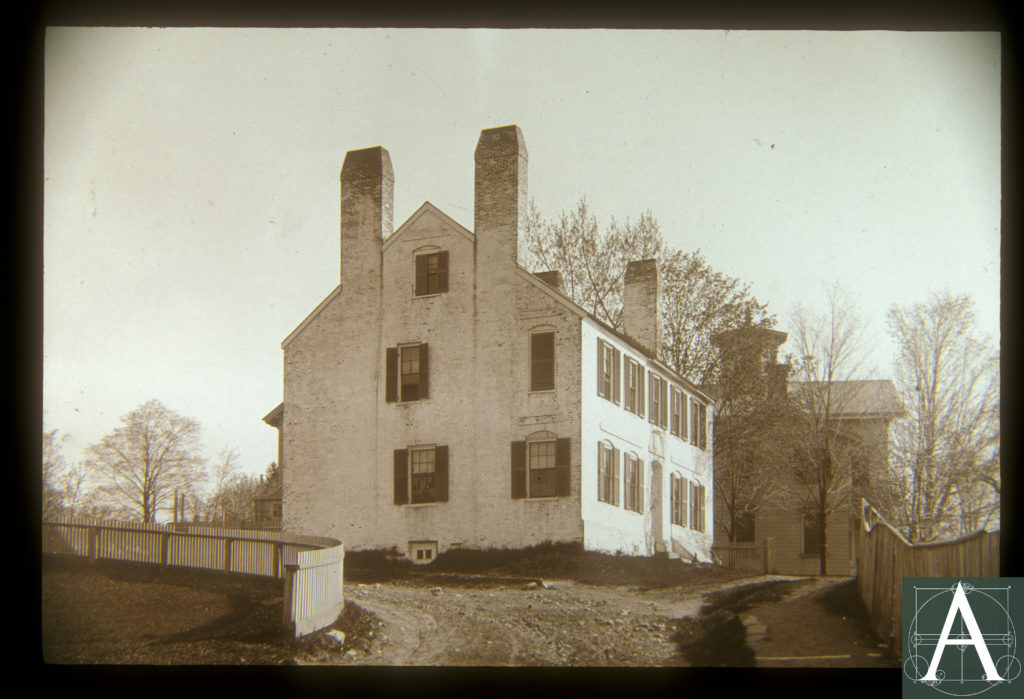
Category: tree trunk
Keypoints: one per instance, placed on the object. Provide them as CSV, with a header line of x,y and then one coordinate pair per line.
x,y
823,529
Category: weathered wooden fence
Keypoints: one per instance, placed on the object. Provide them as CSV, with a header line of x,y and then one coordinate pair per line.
x,y
884,558
312,567
748,556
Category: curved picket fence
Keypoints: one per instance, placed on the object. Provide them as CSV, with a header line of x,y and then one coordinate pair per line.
x,y
312,567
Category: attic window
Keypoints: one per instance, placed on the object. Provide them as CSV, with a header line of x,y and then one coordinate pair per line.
x,y
431,273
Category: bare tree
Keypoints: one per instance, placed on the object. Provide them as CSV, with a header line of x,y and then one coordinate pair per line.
x,y
63,483
139,465
696,302
54,467
222,474
826,455
945,455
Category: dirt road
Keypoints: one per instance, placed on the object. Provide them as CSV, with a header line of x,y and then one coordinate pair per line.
x,y
567,623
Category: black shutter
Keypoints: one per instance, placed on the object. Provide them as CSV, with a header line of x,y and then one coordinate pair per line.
x,y
616,478
664,403
641,398
684,513
616,376
391,375
640,485
441,472
518,469
600,368
401,476
683,426
424,372
421,275
563,457
703,434
542,361
650,397
442,270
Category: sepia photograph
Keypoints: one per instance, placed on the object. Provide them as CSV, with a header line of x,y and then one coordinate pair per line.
x,y
495,347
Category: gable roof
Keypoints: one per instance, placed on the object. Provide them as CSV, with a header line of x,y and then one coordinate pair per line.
x,y
860,399
425,208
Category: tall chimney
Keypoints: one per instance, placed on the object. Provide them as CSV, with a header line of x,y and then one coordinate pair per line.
x,y
499,205
367,201
640,304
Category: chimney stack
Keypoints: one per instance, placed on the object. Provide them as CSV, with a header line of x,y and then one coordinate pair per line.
x,y
367,201
499,204
640,319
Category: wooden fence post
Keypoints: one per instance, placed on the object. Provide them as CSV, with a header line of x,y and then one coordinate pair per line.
x,y
165,548
227,555
276,562
92,534
290,570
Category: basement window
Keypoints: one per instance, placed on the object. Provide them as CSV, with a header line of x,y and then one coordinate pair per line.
x,y
421,552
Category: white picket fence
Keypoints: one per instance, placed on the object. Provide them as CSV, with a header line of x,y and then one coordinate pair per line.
x,y
312,567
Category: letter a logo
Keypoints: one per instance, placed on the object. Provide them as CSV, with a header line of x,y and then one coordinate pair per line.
x,y
975,639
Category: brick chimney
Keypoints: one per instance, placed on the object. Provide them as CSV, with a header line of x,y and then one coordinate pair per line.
x,y
640,304
499,203
367,201
552,278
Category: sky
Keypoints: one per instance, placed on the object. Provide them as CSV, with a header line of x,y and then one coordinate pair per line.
x,y
191,196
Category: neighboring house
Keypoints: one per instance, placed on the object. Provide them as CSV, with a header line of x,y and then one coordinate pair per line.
x,y
267,503
863,412
442,396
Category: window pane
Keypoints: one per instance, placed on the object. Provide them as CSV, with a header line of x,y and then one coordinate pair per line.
x,y
424,479
410,370
542,475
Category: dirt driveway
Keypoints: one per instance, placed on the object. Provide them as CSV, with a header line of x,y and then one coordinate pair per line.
x,y
569,623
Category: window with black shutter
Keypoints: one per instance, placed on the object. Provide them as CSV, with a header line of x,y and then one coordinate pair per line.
x,y
431,273
634,483
542,361
609,372
679,487
658,400
541,467
407,373
421,475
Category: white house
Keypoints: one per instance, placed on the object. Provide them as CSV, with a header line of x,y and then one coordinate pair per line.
x,y
442,396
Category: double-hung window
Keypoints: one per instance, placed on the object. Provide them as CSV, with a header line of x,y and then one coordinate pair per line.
x,y
407,376
679,489
634,483
634,380
431,273
608,371
675,417
658,400
607,473
541,462
420,475
542,361
696,507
